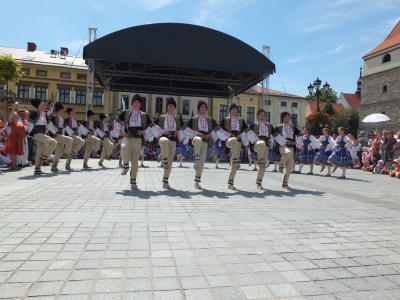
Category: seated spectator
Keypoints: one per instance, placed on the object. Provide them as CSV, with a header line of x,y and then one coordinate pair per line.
x,y
379,167
388,146
364,158
396,172
396,148
372,160
388,167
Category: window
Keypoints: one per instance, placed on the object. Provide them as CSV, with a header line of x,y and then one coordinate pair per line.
x,y
185,107
81,76
23,91
97,98
386,58
159,105
25,71
294,117
294,104
40,93
283,103
63,95
1,89
223,111
80,97
268,102
384,89
41,73
268,117
65,75
143,106
250,114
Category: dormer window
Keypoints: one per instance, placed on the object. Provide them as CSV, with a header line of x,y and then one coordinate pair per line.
x,y
386,58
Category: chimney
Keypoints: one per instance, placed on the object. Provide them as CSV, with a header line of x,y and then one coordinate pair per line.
x,y
31,46
65,50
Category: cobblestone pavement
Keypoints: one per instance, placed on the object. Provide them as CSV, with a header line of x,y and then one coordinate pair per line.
x,y
87,235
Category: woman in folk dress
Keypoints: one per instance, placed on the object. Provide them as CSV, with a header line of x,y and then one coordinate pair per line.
x,y
341,157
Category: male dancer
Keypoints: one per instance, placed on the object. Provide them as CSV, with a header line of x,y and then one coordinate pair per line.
x,y
77,141
62,140
286,136
45,144
136,122
107,144
90,139
263,130
201,126
170,125
234,126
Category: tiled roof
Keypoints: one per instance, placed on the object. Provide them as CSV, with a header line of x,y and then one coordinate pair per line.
x,y
353,100
392,39
272,92
312,107
43,58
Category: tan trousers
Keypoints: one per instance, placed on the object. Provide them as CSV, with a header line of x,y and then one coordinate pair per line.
x,y
262,151
45,146
286,160
235,146
90,141
107,148
200,154
130,151
63,142
167,155
77,144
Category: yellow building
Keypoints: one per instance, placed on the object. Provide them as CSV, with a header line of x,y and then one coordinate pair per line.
x,y
250,101
55,77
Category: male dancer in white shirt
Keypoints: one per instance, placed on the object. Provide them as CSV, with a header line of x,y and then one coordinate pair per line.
x,y
171,124
90,139
64,143
202,126
286,136
234,125
264,131
77,141
136,122
45,145
107,144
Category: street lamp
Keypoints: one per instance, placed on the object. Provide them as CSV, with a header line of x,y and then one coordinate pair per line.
x,y
317,85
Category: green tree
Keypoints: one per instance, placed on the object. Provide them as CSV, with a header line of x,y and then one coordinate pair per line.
x,y
317,121
10,69
328,108
348,118
329,96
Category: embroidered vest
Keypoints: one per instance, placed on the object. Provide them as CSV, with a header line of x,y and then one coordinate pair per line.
x,y
143,117
256,127
161,121
227,121
195,123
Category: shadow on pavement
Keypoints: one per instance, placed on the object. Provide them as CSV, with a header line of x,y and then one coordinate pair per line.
x,y
262,195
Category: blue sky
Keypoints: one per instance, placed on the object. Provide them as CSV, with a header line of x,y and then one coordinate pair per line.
x,y
325,38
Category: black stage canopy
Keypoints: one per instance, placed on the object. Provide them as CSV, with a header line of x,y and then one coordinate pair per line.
x,y
176,59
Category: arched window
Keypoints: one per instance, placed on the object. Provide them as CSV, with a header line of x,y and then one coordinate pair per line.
x,y
386,58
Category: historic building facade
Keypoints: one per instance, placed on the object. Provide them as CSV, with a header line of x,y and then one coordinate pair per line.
x,y
54,76
381,83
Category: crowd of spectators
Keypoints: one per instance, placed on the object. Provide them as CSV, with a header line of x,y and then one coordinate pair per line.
x,y
378,153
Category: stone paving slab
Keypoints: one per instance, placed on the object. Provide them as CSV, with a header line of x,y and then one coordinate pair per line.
x,y
87,235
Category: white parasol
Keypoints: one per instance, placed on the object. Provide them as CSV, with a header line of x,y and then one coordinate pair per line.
x,y
375,118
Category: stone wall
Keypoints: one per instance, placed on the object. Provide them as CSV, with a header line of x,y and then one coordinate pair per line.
x,y
374,100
